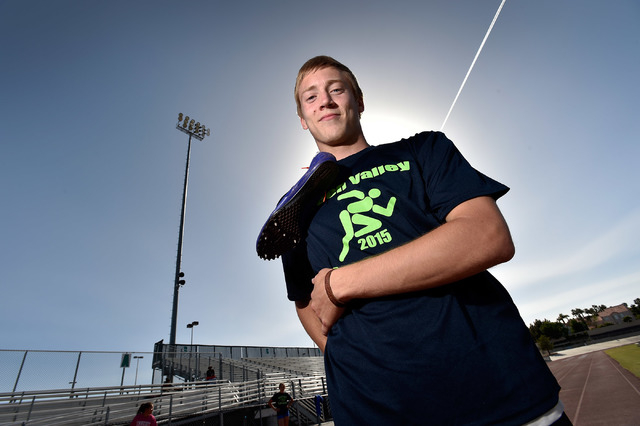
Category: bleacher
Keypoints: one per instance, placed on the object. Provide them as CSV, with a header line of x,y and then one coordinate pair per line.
x,y
247,368
244,384
303,366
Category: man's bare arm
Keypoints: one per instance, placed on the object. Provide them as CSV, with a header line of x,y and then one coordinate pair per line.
x,y
474,238
311,324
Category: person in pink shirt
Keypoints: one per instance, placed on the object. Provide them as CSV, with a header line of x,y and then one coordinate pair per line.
x,y
144,416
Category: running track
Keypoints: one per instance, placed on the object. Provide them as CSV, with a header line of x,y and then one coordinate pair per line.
x,y
596,390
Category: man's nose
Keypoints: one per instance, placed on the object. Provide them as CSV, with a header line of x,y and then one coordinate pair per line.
x,y
327,100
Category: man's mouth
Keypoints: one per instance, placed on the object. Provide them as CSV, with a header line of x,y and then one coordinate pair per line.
x,y
329,117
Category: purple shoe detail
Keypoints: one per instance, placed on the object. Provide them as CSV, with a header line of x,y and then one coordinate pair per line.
x,y
285,227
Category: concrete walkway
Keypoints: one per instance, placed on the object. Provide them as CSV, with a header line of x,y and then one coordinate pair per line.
x,y
594,347
596,390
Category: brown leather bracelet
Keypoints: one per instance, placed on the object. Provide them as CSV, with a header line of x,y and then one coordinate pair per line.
x,y
327,287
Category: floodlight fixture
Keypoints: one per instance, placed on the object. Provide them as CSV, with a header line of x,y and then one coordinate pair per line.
x,y
192,127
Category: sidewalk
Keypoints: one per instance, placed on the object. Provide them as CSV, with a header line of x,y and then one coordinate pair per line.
x,y
594,347
596,390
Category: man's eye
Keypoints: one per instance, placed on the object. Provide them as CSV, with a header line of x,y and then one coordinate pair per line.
x,y
337,90
311,98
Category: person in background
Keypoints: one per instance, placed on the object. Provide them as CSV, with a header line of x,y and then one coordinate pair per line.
x,y
280,402
211,374
144,416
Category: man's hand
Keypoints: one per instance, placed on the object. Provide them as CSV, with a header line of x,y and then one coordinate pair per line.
x,y
325,310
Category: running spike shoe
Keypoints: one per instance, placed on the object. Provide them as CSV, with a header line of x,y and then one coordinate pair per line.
x,y
286,226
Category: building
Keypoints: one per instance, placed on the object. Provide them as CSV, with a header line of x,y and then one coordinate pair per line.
x,y
614,315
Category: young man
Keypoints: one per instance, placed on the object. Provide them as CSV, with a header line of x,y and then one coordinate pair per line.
x,y
390,278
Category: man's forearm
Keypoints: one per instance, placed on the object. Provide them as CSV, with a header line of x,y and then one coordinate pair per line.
x,y
311,324
475,238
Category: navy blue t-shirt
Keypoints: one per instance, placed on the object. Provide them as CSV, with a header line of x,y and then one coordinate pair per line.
x,y
456,354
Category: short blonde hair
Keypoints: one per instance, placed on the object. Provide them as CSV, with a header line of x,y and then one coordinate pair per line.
x,y
318,63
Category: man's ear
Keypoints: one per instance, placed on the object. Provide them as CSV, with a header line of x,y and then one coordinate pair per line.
x,y
304,124
360,105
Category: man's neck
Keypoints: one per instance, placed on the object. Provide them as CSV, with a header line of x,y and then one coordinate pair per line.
x,y
345,150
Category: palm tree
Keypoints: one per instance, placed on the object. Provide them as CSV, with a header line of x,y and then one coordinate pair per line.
x,y
592,314
562,317
578,313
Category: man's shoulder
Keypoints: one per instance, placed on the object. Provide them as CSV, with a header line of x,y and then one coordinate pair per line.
x,y
428,137
424,145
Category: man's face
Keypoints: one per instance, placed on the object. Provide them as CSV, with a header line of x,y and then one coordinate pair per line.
x,y
329,109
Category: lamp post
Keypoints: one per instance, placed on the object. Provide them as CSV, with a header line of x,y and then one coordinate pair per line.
x,y
192,128
191,326
137,358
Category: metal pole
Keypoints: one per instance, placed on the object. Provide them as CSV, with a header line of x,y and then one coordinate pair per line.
x,y
220,366
197,366
75,375
135,382
170,408
293,389
190,353
176,286
20,371
122,382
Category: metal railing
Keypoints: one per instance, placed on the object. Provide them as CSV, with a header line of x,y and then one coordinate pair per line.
x,y
117,405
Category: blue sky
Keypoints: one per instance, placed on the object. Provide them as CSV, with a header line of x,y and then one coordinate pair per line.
x,y
92,165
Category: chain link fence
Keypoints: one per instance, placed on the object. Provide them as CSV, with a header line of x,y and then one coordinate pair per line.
x,y
26,370
29,370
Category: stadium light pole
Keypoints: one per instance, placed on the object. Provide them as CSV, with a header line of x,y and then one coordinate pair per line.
x,y
137,358
191,326
198,131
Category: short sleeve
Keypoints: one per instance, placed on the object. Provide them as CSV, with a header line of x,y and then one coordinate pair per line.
x,y
449,178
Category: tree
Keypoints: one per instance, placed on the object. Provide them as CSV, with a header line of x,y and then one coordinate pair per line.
x,y
545,344
578,313
534,329
577,326
635,309
592,313
579,322
553,330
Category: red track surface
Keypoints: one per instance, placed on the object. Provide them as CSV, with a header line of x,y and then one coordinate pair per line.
x,y
596,390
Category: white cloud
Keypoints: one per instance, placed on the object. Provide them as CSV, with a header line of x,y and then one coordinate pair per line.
x,y
619,240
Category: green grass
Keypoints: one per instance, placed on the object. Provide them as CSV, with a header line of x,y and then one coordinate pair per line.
x,y
628,356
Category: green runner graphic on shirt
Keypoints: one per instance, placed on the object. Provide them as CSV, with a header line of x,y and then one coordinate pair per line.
x,y
355,215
